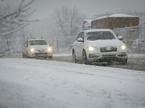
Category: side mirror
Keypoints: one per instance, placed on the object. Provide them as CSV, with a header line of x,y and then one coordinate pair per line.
x,y
80,40
120,38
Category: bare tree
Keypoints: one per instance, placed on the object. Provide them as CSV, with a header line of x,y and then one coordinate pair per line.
x,y
13,20
10,20
67,22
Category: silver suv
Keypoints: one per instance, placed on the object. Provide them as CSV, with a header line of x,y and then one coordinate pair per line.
x,y
98,45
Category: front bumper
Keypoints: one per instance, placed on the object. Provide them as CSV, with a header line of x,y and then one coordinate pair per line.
x,y
41,54
107,56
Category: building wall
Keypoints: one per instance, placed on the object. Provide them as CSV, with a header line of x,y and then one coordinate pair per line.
x,y
115,22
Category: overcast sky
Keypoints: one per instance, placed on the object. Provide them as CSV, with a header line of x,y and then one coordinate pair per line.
x,y
44,8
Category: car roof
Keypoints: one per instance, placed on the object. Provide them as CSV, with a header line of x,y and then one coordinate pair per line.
x,y
36,39
93,30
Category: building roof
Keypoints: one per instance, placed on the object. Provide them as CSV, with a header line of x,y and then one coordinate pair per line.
x,y
115,15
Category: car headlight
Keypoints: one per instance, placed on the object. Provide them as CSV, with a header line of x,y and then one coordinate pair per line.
x,y
32,50
49,49
123,47
90,48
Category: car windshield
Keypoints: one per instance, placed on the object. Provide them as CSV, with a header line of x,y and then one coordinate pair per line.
x,y
38,42
100,35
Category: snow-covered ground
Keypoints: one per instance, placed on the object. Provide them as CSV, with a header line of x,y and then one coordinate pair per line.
x,y
30,83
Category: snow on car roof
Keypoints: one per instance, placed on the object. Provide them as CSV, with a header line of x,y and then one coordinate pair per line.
x,y
35,39
92,30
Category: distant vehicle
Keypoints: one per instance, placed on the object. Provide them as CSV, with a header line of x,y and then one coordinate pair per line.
x,y
37,48
99,45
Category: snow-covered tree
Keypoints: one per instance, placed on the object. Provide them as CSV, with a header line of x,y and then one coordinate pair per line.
x,y
13,19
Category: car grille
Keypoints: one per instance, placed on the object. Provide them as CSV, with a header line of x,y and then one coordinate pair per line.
x,y
40,54
108,49
109,55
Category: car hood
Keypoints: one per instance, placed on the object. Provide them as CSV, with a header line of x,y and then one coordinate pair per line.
x,y
39,47
104,43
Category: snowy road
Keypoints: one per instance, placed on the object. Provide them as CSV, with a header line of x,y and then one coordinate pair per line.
x,y
30,83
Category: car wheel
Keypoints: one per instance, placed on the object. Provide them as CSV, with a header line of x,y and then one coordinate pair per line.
x,y
74,56
84,58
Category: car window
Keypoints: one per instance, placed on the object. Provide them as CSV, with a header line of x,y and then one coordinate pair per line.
x,y
100,35
38,42
80,35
